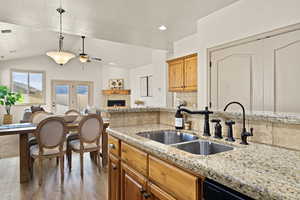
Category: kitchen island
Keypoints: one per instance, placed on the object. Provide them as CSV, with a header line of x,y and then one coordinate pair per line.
x,y
258,171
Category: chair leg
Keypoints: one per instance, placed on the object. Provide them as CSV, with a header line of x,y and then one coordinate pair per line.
x,y
98,162
57,161
62,167
40,170
81,165
69,157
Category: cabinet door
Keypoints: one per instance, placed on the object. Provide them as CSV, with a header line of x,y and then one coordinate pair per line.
x,y
281,72
176,75
113,178
157,193
237,75
190,73
133,184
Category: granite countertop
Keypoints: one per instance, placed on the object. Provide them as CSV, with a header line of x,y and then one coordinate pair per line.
x,y
127,110
259,171
287,118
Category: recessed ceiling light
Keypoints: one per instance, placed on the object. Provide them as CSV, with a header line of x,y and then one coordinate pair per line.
x,y
12,51
112,63
162,28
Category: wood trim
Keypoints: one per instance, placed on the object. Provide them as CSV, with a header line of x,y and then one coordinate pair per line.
x,y
120,92
158,192
114,146
183,57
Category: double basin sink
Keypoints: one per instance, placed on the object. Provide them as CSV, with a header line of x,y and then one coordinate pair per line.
x,y
186,142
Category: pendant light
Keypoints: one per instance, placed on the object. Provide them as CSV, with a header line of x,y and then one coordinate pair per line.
x,y
83,57
60,57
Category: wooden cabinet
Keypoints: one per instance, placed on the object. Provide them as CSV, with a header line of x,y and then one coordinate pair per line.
x,y
176,75
113,178
190,73
135,158
183,74
157,193
133,184
136,175
113,146
178,182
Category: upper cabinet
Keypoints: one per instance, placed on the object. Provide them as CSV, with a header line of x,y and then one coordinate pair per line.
x,y
183,74
261,74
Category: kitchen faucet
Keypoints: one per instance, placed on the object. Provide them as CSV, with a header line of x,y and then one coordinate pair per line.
x,y
244,133
204,112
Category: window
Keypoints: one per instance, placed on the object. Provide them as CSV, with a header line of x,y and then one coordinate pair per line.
x,y
30,84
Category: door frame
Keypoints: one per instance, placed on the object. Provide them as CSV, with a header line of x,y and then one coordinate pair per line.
x,y
72,92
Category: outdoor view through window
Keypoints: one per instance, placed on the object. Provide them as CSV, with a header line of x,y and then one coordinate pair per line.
x,y
30,84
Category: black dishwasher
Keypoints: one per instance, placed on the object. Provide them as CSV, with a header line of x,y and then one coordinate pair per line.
x,y
215,191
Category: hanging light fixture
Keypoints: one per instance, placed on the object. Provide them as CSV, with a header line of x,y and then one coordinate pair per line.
x,y
83,57
60,57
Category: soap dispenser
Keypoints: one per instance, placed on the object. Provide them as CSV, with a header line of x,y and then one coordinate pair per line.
x,y
179,119
218,128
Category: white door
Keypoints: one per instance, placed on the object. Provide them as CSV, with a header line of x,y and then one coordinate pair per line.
x,y
237,75
282,72
71,95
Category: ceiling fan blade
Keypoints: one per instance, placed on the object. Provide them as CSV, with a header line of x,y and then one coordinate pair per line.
x,y
96,59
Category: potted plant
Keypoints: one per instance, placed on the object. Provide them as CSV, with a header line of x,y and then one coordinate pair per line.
x,y
8,99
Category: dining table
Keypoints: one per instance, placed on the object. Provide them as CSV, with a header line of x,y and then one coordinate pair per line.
x,y
24,129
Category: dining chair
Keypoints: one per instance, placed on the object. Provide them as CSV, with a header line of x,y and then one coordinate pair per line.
x,y
72,112
90,131
73,134
36,118
51,137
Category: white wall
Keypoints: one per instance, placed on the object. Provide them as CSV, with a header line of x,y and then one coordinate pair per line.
x,y
71,71
110,72
239,20
158,70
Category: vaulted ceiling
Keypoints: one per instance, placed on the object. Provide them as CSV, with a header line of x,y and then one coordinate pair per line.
x,y
127,21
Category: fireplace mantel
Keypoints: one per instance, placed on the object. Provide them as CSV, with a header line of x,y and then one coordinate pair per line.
x,y
118,92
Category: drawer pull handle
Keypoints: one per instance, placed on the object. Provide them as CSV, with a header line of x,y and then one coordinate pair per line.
x,y
142,191
146,195
112,146
114,167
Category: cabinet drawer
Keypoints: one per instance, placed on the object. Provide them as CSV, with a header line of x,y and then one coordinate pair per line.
x,y
114,146
178,183
134,158
158,193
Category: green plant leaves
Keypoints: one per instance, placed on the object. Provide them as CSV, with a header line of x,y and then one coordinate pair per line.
x,y
8,98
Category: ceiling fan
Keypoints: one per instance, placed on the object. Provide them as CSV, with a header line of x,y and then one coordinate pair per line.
x,y
83,57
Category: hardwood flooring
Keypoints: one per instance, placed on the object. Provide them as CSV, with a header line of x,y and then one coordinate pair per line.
x,y
94,185
9,146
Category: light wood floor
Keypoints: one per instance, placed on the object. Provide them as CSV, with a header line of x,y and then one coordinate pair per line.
x,y
9,146
93,187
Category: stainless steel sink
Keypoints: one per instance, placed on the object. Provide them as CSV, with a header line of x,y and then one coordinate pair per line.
x,y
203,147
168,136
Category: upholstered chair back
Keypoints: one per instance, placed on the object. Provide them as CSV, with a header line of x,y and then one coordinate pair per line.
x,y
90,128
51,132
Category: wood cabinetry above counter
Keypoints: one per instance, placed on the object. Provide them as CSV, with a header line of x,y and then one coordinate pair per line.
x,y
183,74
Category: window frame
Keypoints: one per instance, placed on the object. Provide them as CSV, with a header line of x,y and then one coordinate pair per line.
x,y
43,86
